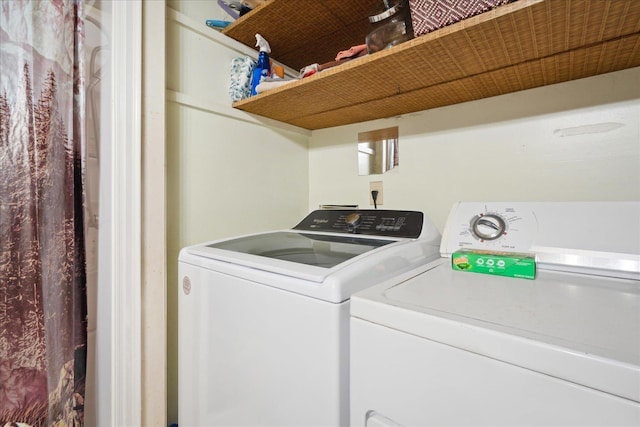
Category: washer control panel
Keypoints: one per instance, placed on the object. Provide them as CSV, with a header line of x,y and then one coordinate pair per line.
x,y
375,222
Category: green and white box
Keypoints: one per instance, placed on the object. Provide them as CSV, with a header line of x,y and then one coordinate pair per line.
x,y
521,265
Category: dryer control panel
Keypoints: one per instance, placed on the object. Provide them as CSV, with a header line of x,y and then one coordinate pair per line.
x,y
589,237
374,222
491,226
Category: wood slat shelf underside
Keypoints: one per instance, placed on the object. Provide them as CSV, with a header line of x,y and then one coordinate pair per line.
x,y
522,45
303,32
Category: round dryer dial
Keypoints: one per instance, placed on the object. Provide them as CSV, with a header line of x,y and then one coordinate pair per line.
x,y
489,226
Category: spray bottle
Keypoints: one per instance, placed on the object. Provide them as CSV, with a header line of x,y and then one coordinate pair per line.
x,y
263,69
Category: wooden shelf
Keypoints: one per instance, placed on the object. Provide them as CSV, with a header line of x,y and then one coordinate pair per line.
x,y
301,33
522,45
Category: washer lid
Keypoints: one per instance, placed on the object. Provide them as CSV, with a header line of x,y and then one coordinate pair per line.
x,y
319,250
581,328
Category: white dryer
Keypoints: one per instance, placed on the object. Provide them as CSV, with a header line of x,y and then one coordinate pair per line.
x,y
443,347
264,318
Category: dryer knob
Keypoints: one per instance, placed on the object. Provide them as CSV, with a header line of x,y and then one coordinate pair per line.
x,y
488,226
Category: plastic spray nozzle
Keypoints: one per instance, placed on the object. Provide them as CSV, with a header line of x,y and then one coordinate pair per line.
x,y
262,44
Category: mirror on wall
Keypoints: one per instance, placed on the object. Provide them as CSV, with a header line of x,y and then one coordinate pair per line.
x,y
377,151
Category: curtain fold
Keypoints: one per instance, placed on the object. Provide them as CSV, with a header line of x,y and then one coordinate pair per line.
x,y
43,310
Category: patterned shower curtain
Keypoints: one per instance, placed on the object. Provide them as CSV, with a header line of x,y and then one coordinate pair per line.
x,y
43,336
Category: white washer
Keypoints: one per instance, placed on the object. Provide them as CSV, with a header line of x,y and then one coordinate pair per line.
x,y
436,346
264,318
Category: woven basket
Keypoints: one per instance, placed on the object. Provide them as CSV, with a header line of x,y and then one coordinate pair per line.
x,y
430,15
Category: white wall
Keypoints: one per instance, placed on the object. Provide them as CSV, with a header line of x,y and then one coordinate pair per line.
x,y
509,147
227,173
